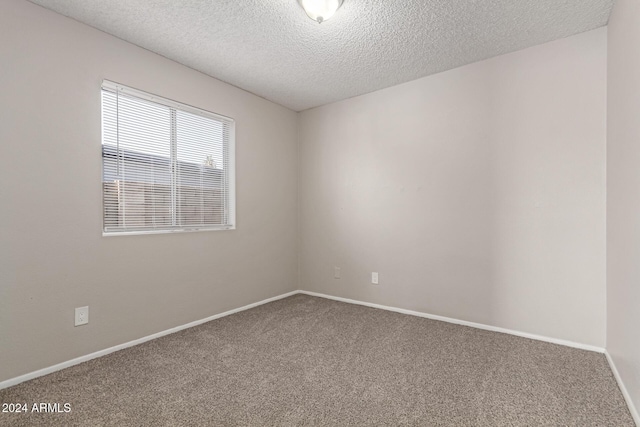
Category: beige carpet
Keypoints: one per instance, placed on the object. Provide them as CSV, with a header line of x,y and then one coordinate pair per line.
x,y
311,361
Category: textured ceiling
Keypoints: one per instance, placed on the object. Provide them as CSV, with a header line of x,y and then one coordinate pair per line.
x,y
271,48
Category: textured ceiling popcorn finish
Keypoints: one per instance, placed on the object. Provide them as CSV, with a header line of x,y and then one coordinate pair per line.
x,y
272,49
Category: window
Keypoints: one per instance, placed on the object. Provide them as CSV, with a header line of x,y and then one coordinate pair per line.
x,y
165,166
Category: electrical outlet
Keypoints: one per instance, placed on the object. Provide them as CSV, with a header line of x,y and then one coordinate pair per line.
x,y
82,316
336,272
374,278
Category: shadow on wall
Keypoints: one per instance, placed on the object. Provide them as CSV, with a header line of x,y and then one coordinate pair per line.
x,y
477,193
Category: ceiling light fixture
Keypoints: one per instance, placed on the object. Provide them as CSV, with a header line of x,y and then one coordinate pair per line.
x,y
320,10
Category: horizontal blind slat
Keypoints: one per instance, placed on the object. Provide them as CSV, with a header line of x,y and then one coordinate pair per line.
x,y
159,173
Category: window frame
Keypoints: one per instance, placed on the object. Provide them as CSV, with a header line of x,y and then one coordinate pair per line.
x,y
231,161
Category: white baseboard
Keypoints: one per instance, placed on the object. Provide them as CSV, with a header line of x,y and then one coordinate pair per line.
x,y
31,375
462,322
623,389
81,359
616,374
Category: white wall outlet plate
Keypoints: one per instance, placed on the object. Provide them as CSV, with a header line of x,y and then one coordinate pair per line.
x,y
82,316
374,278
336,272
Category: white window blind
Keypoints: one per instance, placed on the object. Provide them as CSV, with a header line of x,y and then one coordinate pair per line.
x,y
166,166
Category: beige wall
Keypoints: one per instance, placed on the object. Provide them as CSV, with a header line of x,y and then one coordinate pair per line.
x,y
623,194
477,193
52,255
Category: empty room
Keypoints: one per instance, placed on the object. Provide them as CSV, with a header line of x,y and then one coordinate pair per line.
x,y
320,213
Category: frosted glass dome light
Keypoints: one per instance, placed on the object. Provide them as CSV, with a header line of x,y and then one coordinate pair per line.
x,y
320,10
